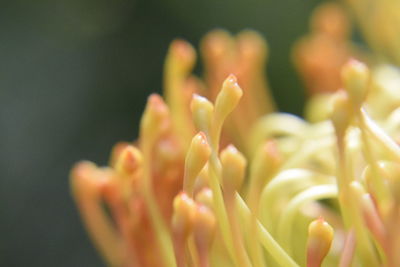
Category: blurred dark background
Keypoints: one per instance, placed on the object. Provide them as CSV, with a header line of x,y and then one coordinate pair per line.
x,y
74,77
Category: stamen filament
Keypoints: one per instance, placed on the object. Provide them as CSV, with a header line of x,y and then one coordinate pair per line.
x,y
265,238
287,217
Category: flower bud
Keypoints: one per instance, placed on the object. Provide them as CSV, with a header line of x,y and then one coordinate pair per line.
x,y
202,111
154,119
341,112
183,215
233,168
204,229
178,65
180,58
320,236
355,76
265,164
129,160
228,97
196,157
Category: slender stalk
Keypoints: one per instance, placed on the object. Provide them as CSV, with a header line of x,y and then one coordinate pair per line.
x,y
265,238
288,214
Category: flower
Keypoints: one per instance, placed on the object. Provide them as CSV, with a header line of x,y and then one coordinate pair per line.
x,y
219,178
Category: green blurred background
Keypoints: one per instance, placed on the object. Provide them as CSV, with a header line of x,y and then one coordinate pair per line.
x,y
74,77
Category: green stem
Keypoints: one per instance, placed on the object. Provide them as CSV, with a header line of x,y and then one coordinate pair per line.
x,y
265,238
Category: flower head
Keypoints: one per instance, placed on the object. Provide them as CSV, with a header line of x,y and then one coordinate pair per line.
x,y
217,177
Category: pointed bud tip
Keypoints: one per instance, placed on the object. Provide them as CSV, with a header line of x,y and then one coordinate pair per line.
x,y
129,160
199,150
201,138
232,78
232,82
229,96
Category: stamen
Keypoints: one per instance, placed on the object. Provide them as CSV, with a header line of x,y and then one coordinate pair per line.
x,y
153,125
204,231
320,236
178,65
182,224
86,188
286,221
196,158
233,173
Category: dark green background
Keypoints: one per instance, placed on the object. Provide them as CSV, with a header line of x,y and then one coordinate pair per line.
x,y
74,76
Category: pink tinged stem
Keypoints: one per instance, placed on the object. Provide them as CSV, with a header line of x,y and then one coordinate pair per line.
x,y
374,222
348,250
179,246
120,214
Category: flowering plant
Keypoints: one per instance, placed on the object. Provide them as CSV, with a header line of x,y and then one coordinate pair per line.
x,y
217,177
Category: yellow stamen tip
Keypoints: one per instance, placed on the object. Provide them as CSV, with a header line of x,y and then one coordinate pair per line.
x,y
320,236
183,216
202,112
229,97
265,164
204,228
197,156
355,76
233,168
341,112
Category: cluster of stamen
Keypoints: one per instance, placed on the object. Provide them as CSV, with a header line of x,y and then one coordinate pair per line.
x,y
216,179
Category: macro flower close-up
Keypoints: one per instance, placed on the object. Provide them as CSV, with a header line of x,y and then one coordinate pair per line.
x,y
150,133
219,177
